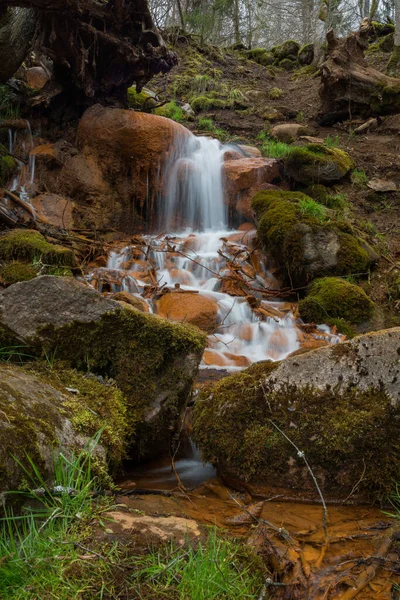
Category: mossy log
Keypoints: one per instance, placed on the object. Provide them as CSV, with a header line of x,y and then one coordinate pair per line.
x,y
349,85
99,49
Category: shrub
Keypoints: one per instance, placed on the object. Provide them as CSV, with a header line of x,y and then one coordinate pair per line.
x,y
275,93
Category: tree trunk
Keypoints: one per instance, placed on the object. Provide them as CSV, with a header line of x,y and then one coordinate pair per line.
x,y
99,48
395,57
350,86
17,26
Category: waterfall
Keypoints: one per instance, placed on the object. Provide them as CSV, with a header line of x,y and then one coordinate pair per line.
x,y
194,186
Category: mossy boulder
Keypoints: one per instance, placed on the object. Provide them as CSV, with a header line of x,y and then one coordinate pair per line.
x,y
340,405
152,360
316,163
261,56
39,416
332,297
144,100
288,49
306,55
30,245
8,168
305,240
202,103
386,44
15,272
288,64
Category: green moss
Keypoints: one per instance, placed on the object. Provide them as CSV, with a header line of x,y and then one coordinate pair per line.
x,y
306,55
172,111
332,297
285,219
93,405
391,68
316,163
140,100
8,167
17,271
324,196
148,357
201,103
353,258
342,326
28,244
59,272
261,56
288,49
338,433
276,93
287,64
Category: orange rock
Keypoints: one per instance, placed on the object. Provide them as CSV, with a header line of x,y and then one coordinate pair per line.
x,y
36,77
246,332
240,361
131,300
250,150
190,308
45,152
212,357
278,342
55,210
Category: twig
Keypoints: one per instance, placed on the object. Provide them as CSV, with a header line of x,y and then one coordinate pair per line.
x,y
301,454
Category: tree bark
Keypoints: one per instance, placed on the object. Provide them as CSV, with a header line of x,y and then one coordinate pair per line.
x,y
350,86
17,26
395,57
99,48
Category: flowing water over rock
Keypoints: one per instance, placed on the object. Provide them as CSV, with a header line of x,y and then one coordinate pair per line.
x,y
205,257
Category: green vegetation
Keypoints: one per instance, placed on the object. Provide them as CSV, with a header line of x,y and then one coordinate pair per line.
x,y
261,56
310,208
17,271
332,142
287,64
172,111
140,100
324,196
317,163
30,245
273,149
359,178
336,298
275,93
288,222
9,108
8,166
51,549
218,568
203,103
206,124
337,431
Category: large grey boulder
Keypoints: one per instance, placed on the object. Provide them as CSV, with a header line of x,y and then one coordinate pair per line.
x,y
152,360
340,405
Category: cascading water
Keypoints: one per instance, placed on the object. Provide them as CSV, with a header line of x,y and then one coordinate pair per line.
x,y
202,257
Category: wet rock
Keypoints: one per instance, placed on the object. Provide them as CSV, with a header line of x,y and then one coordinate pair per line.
x,y
317,163
131,300
55,210
189,308
289,132
250,150
154,529
152,360
36,77
45,153
244,177
339,404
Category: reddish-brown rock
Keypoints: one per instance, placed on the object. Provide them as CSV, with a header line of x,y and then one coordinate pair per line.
x,y
189,308
244,177
55,210
36,77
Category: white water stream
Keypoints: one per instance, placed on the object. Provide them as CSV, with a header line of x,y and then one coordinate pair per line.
x,y
194,259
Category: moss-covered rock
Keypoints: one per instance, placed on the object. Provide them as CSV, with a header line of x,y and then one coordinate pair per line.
x,y
316,163
261,56
200,103
332,297
15,272
340,405
8,166
172,111
39,416
288,49
288,64
306,55
304,239
144,100
28,244
152,360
